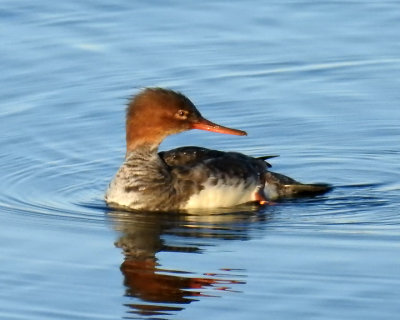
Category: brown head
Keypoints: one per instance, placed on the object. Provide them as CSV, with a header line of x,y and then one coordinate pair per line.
x,y
155,113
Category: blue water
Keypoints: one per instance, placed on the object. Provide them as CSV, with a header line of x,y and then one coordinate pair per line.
x,y
316,82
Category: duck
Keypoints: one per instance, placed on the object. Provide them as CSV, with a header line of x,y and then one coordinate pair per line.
x,y
189,177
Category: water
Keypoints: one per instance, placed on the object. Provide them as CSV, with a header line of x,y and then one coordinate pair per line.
x,y
316,83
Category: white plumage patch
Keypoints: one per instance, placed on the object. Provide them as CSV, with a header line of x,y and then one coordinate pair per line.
x,y
221,195
116,194
271,192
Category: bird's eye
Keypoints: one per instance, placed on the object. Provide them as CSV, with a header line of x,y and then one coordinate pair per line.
x,y
181,114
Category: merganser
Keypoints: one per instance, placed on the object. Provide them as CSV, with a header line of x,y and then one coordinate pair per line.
x,y
189,177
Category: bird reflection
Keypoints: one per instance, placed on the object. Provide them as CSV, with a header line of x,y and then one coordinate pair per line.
x,y
162,291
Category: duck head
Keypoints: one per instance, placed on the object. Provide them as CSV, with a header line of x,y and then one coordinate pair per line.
x,y
155,113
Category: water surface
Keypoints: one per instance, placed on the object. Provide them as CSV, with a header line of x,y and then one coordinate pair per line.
x,y
316,83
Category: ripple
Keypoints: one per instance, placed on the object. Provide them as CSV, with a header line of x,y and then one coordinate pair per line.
x,y
44,190
346,210
283,68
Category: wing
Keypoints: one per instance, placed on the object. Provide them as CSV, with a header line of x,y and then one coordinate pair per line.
x,y
201,166
214,178
191,155
188,155
268,157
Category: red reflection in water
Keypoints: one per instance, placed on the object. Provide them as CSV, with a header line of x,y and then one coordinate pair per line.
x,y
151,284
156,290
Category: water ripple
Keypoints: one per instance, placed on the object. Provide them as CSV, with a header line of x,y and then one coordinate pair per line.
x,y
294,68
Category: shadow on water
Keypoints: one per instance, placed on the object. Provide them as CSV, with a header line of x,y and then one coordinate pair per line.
x,y
159,290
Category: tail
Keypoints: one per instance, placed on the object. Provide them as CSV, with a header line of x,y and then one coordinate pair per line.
x,y
278,186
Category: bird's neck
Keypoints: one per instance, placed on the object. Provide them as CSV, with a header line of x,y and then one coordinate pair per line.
x,y
143,155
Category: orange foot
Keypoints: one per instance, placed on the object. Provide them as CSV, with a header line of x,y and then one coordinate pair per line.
x,y
262,199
